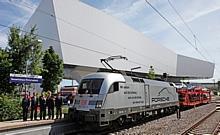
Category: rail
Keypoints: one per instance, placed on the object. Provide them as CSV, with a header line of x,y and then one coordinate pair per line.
x,y
203,119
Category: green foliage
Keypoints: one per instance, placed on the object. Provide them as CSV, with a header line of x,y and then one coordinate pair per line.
x,y
22,49
10,108
36,54
17,50
5,64
151,73
52,70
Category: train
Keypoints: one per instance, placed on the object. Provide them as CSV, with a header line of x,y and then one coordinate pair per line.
x,y
108,98
194,96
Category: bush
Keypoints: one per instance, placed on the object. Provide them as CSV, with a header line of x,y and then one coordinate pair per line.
x,y
10,108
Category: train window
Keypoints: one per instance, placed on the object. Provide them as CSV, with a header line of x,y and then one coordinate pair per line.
x,y
90,86
114,87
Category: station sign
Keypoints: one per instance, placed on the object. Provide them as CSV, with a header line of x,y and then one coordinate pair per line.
x,y
21,78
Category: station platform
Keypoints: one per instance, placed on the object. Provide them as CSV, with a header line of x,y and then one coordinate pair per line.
x,y
16,124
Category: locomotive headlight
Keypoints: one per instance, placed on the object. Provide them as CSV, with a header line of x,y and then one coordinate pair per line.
x,y
98,104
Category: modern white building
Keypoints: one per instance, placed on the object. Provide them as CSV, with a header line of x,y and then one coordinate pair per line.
x,y
82,35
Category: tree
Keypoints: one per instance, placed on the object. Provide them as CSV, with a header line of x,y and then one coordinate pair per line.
x,y
5,65
23,49
52,70
16,50
151,73
35,67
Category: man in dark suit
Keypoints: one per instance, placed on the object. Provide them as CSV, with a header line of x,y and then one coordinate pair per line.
x,y
50,105
178,113
58,104
25,105
42,107
34,105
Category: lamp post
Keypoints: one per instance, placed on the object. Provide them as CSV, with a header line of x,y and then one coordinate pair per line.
x,y
31,46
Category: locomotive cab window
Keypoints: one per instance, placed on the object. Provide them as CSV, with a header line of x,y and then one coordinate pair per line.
x,y
114,87
90,86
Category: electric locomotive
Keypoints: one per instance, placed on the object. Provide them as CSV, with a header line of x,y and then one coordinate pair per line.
x,y
104,98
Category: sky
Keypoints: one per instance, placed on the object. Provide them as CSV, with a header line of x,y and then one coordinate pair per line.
x,y
201,16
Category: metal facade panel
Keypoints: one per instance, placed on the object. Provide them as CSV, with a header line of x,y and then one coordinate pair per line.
x,y
84,35
46,25
93,35
190,67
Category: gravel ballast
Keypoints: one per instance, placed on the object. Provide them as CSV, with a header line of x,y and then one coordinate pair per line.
x,y
170,124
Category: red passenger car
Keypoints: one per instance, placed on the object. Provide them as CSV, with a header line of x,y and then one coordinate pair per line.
x,y
193,97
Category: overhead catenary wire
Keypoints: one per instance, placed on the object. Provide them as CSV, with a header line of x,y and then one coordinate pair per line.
x,y
71,24
194,35
178,31
191,31
210,56
114,43
175,10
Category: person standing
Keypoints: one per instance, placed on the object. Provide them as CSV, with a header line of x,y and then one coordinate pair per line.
x,y
42,107
25,105
34,105
178,114
50,105
58,104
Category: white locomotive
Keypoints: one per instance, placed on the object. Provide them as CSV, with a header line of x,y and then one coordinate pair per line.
x,y
105,97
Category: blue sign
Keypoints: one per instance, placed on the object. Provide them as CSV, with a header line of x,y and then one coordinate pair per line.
x,y
19,78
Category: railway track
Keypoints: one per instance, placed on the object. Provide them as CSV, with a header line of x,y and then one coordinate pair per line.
x,y
209,124
114,129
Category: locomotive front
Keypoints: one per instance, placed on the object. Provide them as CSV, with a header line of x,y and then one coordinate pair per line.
x,y
91,96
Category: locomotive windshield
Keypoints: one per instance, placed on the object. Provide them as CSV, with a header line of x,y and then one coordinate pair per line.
x,y
90,86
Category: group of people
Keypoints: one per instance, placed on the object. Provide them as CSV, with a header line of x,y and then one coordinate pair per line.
x,y
43,102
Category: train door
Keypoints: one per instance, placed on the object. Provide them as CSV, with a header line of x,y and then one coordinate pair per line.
x,y
147,95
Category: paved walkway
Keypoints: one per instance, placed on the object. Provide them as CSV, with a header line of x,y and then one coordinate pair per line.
x,y
15,124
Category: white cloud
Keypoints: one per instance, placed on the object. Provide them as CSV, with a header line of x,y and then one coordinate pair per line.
x,y
126,9
18,21
195,9
26,6
138,10
18,11
202,13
